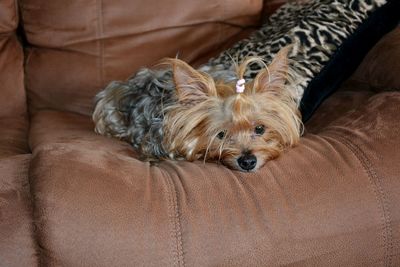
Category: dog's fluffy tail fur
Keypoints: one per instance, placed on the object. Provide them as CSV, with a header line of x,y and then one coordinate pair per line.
x,y
132,110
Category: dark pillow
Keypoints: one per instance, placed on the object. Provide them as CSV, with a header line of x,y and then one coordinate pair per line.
x,y
329,37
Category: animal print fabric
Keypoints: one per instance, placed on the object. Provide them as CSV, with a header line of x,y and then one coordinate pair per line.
x,y
316,29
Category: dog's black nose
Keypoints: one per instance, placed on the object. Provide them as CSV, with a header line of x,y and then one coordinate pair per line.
x,y
247,162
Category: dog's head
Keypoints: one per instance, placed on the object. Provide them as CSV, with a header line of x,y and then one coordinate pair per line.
x,y
212,121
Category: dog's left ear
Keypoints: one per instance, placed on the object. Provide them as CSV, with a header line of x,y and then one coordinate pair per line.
x,y
192,86
275,77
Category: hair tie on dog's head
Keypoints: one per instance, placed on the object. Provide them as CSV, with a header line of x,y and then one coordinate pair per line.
x,y
240,86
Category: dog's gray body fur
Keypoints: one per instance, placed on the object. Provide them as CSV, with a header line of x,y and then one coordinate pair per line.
x,y
133,110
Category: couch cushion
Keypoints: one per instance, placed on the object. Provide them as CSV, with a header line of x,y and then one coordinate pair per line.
x,y
331,201
77,47
351,95
17,246
12,100
13,121
13,136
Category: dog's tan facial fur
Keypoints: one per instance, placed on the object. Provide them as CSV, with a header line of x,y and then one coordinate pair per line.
x,y
211,121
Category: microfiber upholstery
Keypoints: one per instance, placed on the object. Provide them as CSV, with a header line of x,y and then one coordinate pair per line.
x,y
78,47
380,68
331,201
17,245
71,197
13,117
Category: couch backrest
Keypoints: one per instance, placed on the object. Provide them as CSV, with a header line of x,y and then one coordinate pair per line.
x,y
77,47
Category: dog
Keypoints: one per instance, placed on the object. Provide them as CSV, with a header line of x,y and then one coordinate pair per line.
x,y
174,111
239,114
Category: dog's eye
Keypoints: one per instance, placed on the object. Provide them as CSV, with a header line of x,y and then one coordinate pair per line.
x,y
259,130
221,134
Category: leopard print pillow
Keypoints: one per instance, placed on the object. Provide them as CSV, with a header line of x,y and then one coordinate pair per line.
x,y
329,37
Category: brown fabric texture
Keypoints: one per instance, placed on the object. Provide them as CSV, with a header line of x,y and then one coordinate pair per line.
x,y
13,136
381,68
336,205
13,100
77,47
271,5
17,243
351,95
13,117
330,201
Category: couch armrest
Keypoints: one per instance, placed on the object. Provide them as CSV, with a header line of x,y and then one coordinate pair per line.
x,y
17,246
13,107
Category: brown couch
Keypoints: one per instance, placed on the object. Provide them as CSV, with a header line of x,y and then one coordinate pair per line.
x,y
69,197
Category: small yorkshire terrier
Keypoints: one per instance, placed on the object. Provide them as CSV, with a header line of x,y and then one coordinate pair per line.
x,y
174,111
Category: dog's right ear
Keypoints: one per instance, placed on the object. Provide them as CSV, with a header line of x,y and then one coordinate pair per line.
x,y
192,86
275,77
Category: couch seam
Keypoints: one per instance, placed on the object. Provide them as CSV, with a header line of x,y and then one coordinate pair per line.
x,y
37,255
16,8
380,196
174,216
40,250
220,26
34,229
100,43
